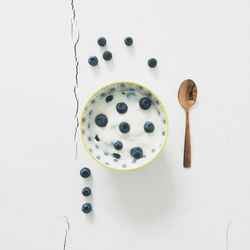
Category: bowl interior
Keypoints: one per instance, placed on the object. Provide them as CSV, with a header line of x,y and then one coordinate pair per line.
x,y
103,135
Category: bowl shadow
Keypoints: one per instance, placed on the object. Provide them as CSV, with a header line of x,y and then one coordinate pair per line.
x,y
145,194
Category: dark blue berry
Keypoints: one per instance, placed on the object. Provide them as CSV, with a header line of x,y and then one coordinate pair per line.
x,y
145,103
121,107
109,98
124,127
107,55
85,172
97,138
128,41
149,127
152,62
118,145
93,60
101,120
86,208
136,152
117,156
86,191
102,41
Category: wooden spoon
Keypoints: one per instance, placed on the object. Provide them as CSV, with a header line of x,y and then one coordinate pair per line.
x,y
187,95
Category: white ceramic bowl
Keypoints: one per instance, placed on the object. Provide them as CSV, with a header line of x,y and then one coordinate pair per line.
x,y
99,140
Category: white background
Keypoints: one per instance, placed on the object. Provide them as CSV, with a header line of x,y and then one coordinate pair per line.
x,y
159,207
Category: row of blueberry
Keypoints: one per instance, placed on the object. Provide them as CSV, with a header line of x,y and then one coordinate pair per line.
x,y
101,120
86,207
107,55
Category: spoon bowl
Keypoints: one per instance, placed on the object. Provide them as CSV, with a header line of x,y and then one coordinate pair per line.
x,y
187,94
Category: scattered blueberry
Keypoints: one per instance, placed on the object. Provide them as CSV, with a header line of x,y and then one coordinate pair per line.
x,y
117,156
102,41
86,191
97,138
118,145
93,60
107,55
136,152
145,103
86,208
149,127
128,41
101,120
121,107
152,62
85,172
124,127
109,98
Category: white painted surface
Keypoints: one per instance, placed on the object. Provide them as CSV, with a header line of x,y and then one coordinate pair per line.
x,y
162,206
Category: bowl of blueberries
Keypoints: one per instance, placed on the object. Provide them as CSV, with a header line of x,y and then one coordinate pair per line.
x,y
124,126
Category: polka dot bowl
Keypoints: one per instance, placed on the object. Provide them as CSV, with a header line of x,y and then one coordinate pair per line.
x,y
124,126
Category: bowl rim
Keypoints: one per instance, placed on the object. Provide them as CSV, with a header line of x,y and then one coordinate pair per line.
x,y
162,106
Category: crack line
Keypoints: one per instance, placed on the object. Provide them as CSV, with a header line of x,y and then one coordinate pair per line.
x,y
74,30
227,234
228,229
66,232
73,9
65,240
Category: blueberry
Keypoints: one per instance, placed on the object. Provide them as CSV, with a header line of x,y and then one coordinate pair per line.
x,y
86,208
152,62
85,172
86,191
136,152
124,127
149,127
118,145
102,41
109,98
97,138
101,120
128,41
93,60
145,103
121,107
117,156
107,55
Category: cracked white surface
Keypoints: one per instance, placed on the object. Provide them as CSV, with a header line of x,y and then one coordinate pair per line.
x,y
75,35
162,206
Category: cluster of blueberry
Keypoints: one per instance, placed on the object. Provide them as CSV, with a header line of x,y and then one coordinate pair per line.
x,y
86,207
107,55
101,120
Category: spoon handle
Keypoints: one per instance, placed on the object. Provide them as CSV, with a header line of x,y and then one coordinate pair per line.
x,y
187,145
